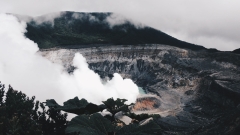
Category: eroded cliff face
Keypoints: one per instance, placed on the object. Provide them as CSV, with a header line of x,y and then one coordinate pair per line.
x,y
195,92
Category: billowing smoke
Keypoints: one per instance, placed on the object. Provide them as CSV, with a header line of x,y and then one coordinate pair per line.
x,y
26,70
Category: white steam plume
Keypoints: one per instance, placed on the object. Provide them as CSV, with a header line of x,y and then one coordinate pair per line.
x,y
25,70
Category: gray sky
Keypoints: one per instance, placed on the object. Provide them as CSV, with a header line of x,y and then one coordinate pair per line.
x,y
211,23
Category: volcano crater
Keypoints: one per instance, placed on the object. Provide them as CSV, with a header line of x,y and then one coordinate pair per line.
x,y
195,92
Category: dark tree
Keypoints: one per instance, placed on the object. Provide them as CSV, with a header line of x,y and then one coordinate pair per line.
x,y
21,115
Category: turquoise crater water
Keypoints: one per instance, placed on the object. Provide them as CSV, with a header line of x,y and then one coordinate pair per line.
x,y
141,90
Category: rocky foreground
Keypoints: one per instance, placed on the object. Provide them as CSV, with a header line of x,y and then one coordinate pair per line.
x,y
195,92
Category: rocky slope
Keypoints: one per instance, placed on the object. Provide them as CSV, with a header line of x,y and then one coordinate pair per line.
x,y
196,92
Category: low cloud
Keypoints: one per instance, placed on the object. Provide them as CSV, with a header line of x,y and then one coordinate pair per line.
x,y
26,70
84,16
48,18
113,19
117,19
